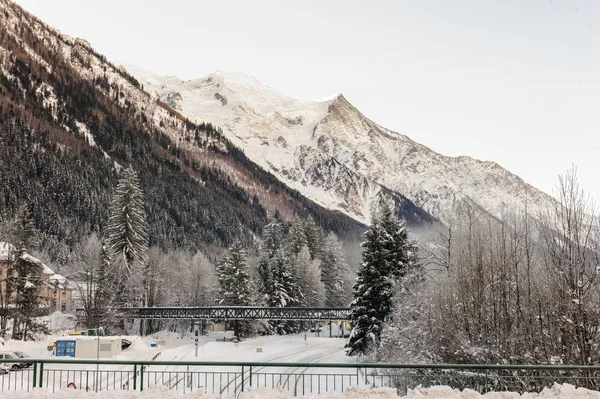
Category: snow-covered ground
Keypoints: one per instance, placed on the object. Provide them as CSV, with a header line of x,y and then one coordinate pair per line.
x,y
166,382
439,392
180,347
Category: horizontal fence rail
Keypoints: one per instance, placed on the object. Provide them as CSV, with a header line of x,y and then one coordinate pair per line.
x,y
238,313
226,378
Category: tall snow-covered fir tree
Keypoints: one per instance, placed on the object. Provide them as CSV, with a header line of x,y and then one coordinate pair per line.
x,y
127,236
296,238
285,291
314,238
234,281
234,278
272,238
387,257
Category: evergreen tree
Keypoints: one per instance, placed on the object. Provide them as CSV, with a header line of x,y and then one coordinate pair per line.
x,y
314,238
28,276
23,231
285,289
333,271
127,236
387,257
296,238
234,280
280,276
272,238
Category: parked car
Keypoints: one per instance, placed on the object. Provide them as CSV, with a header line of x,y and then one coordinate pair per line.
x,y
4,369
15,355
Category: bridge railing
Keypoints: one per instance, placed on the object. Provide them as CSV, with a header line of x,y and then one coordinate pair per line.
x,y
237,313
226,378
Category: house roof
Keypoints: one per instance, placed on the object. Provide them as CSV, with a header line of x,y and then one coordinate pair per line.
x,y
58,277
36,261
60,281
7,251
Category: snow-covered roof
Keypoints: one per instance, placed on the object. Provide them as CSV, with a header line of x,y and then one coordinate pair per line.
x,y
7,251
57,277
61,282
36,261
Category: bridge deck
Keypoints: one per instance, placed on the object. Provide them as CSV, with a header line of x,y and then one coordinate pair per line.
x,y
239,313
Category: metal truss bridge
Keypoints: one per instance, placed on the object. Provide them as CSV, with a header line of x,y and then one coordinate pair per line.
x,y
238,313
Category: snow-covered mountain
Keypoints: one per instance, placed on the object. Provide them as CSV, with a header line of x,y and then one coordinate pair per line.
x,y
70,120
330,152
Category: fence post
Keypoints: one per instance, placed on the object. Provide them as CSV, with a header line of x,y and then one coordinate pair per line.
x,y
134,377
250,375
141,377
242,379
41,375
34,374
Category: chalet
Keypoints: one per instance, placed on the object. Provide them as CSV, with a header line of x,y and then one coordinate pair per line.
x,y
56,293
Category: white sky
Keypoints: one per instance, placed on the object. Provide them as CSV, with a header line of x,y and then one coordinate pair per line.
x,y
516,82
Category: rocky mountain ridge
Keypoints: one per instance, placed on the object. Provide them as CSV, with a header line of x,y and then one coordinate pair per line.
x,y
70,119
330,152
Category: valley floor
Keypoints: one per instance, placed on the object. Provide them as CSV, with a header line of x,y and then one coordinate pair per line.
x,y
291,348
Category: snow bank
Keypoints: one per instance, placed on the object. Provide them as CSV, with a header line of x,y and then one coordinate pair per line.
x,y
150,393
564,391
351,393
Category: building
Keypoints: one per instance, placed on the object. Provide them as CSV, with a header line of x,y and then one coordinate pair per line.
x,y
60,292
89,347
55,292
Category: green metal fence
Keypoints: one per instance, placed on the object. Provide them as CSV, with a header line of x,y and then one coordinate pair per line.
x,y
297,378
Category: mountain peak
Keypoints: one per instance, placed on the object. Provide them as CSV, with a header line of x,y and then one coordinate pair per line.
x,y
236,78
331,99
337,156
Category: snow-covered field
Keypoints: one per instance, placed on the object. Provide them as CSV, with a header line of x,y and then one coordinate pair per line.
x,y
180,347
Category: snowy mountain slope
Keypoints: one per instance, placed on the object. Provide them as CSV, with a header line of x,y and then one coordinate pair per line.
x,y
80,118
336,156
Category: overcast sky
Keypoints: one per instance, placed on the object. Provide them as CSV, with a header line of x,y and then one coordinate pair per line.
x,y
515,82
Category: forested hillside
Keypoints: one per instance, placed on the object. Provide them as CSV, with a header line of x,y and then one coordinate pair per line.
x,y
69,120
